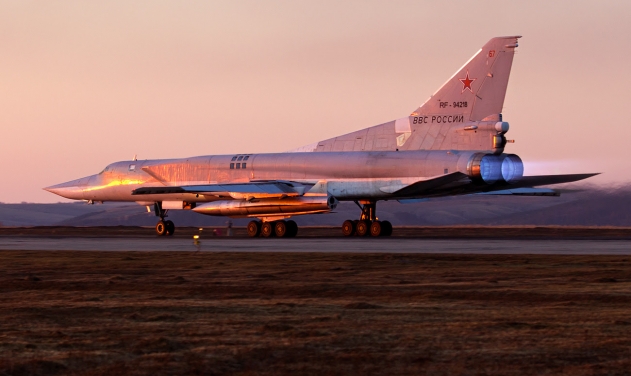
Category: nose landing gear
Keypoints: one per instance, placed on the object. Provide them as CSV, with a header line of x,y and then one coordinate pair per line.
x,y
368,223
163,228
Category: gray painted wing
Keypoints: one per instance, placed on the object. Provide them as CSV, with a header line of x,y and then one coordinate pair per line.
x,y
421,187
254,188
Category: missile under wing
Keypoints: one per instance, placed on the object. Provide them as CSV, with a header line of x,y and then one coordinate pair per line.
x,y
453,144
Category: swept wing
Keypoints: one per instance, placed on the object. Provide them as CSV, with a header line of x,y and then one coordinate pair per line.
x,y
268,189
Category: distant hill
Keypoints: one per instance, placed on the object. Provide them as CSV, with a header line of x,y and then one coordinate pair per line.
x,y
588,207
28,214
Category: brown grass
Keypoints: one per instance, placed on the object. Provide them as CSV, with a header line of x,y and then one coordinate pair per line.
x,y
110,313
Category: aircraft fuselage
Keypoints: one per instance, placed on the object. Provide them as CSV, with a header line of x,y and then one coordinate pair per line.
x,y
349,175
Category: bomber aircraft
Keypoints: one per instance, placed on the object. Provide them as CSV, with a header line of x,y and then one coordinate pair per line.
x,y
453,144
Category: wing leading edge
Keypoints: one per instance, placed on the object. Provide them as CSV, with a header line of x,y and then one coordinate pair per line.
x,y
268,188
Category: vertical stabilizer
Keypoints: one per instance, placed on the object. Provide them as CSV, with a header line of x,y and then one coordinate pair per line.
x,y
476,90
464,114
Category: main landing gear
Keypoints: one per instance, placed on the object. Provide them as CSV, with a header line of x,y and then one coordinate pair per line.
x,y
281,229
367,223
163,228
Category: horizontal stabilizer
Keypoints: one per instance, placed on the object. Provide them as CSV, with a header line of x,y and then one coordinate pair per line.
x,y
424,186
534,181
524,192
412,200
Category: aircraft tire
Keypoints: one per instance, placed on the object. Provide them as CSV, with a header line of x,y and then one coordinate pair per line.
x,y
267,229
280,229
363,228
254,229
386,228
348,228
292,227
170,227
376,228
161,228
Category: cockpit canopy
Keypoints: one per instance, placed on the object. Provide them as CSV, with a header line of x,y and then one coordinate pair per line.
x,y
106,169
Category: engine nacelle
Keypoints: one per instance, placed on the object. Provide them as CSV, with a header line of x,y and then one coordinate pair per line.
x,y
512,168
491,168
268,206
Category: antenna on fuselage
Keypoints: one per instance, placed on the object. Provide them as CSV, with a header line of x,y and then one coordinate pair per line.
x,y
135,159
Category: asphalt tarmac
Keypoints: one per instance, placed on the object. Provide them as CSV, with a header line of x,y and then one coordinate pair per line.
x,y
353,245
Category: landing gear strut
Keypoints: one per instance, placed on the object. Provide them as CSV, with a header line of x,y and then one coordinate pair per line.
x,y
281,229
368,223
163,228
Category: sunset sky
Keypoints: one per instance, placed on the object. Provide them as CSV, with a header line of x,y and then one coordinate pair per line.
x,y
87,83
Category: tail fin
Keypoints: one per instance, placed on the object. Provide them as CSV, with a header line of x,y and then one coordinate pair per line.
x,y
475,93
476,90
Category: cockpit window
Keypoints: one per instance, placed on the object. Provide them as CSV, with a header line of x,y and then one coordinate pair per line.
x,y
104,170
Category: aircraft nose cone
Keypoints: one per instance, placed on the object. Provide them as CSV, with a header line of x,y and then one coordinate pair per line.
x,y
72,189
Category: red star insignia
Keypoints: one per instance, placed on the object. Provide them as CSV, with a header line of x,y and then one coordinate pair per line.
x,y
466,83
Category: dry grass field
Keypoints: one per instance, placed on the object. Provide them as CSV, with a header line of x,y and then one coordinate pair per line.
x,y
108,313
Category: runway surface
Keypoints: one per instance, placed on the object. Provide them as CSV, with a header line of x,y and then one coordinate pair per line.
x,y
354,245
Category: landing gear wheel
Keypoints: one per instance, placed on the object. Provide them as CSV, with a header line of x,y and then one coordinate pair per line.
x,y
292,229
170,227
376,228
161,228
368,223
348,228
280,229
386,228
362,228
267,229
254,229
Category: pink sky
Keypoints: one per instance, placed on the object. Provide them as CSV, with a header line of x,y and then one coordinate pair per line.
x,y
83,84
